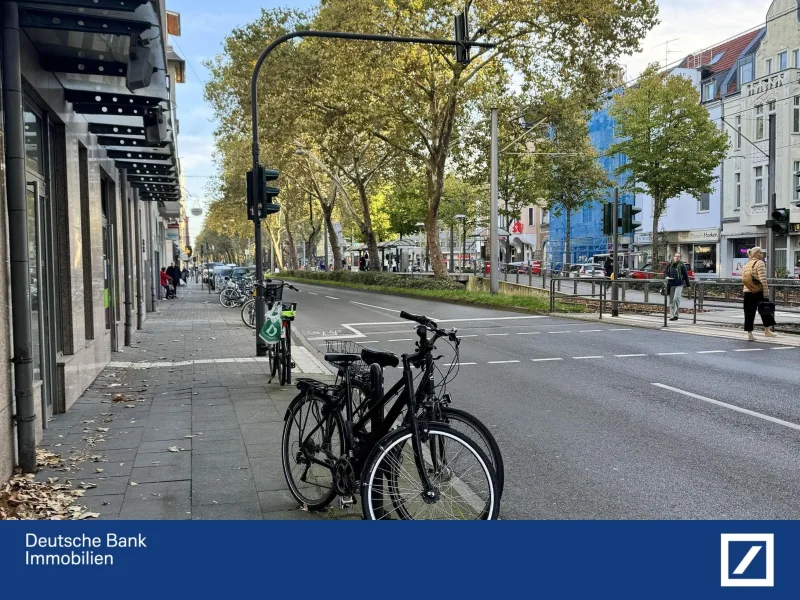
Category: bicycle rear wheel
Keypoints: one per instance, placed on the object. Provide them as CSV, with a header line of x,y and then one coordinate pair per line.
x,y
249,313
464,482
286,371
276,361
312,443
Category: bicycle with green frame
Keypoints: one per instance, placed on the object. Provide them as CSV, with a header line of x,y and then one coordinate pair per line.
x,y
280,353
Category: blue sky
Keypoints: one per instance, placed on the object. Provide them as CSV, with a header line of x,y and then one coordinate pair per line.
x,y
204,25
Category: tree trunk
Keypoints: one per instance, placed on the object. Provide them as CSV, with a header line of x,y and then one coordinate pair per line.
x,y
656,218
435,177
333,240
366,227
291,251
568,239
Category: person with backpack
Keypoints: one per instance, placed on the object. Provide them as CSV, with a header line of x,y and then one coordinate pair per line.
x,y
756,289
677,276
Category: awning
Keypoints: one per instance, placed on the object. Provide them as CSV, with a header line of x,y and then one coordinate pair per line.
x,y
112,63
484,233
528,239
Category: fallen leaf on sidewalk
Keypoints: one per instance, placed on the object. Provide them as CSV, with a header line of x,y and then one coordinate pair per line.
x,y
118,398
130,406
102,429
88,486
134,483
88,515
89,421
114,384
174,449
99,470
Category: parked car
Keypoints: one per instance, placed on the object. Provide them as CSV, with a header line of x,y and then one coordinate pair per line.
x,y
523,268
220,273
648,272
586,270
208,270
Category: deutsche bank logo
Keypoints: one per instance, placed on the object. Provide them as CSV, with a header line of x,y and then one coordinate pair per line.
x,y
748,559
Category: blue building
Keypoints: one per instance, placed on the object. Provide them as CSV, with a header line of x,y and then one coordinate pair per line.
x,y
586,230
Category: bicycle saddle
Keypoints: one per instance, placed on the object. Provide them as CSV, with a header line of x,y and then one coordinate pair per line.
x,y
342,358
379,357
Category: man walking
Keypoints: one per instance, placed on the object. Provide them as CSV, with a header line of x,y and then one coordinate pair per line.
x,y
677,276
608,268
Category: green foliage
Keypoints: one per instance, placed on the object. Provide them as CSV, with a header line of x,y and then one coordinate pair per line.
x,y
379,279
671,144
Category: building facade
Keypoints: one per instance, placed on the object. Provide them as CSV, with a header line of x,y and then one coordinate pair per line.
x,y
84,218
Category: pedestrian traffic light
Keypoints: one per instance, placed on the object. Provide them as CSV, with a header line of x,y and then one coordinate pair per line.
x,y
628,224
260,196
462,35
780,221
608,219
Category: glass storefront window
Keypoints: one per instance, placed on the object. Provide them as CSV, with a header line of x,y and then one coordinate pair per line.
x,y
705,258
797,264
33,142
34,275
740,248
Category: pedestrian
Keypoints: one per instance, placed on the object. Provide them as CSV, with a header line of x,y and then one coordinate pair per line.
x,y
608,267
165,283
362,264
756,290
677,276
185,275
174,273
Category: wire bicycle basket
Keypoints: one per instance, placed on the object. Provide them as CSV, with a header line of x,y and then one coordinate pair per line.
x,y
273,291
359,367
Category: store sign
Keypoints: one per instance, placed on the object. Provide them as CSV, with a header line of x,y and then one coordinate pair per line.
x,y
173,232
794,227
643,238
698,236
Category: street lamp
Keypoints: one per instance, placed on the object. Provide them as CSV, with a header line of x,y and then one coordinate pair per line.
x,y
461,218
421,227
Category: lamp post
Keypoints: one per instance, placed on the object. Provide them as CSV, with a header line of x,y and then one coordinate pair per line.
x,y
421,227
462,218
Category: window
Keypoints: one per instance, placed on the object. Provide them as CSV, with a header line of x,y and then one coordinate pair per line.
x,y
746,70
704,205
796,59
737,195
708,91
769,66
759,122
530,216
704,258
795,192
739,133
759,196
783,61
86,238
796,118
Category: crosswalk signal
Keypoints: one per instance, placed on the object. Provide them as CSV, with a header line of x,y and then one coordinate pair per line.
x,y
462,35
609,221
628,224
780,221
260,196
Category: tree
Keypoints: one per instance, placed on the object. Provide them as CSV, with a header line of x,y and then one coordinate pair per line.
x,y
421,97
671,144
575,177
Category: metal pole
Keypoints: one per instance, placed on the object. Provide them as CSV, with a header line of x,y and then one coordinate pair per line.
x,y
773,135
452,266
463,244
325,246
137,243
615,267
25,414
494,242
127,259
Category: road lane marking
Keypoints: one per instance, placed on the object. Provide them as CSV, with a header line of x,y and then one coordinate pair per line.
x,y
373,306
586,357
621,329
591,330
559,332
496,334
332,297
745,411
784,348
460,364
628,355
501,362
749,350
712,352
470,335
403,340
312,293
672,353
544,359
529,333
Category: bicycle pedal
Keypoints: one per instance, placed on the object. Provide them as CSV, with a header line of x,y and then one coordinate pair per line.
x,y
346,502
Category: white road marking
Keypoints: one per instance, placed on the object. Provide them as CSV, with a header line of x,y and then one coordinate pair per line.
x,y
544,359
373,306
403,340
628,355
470,335
501,362
496,334
621,329
712,352
460,364
586,357
672,353
591,330
749,350
313,293
559,331
529,333
784,348
332,297
745,411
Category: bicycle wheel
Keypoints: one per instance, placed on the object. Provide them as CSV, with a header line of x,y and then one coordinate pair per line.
x,y
249,313
312,443
474,429
276,358
286,372
464,483
227,298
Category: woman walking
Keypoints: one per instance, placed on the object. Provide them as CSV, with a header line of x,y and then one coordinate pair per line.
x,y
756,289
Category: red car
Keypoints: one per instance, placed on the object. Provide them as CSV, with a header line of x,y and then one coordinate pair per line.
x,y
647,271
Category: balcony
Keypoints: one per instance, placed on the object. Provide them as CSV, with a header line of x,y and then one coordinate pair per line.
x,y
770,82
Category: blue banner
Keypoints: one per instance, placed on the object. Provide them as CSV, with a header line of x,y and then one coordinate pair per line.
x,y
564,559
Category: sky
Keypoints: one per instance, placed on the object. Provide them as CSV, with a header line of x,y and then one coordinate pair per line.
x,y
688,26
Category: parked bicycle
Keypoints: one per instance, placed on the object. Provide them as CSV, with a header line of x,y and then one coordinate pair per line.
x,y
423,469
236,293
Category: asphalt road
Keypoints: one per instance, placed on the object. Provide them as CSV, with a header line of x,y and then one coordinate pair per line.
x,y
598,421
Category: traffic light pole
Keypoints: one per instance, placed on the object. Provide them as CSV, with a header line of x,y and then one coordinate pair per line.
x,y
771,203
261,346
614,250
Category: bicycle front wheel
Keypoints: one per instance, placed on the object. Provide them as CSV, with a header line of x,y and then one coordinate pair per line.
x,y
464,483
249,313
276,359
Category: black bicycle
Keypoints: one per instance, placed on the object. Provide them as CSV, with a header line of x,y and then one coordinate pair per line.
x,y
422,469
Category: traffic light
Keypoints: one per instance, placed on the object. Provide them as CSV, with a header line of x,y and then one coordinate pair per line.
x,y
260,196
780,221
628,224
462,35
608,219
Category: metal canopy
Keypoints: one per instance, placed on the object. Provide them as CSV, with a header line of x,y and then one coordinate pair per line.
x,y
121,5
150,179
115,129
139,156
39,18
108,140
106,98
145,168
108,109
83,66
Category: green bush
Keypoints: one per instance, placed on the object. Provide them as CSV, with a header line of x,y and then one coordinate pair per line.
x,y
379,279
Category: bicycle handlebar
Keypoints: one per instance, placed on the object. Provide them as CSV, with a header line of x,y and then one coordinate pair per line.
x,y
431,325
421,319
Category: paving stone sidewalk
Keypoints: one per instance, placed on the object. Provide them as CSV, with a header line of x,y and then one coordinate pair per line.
x,y
183,424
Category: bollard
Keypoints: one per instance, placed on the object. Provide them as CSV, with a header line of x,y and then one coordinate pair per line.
x,y
666,297
694,317
624,289
593,288
647,290
517,275
530,277
575,287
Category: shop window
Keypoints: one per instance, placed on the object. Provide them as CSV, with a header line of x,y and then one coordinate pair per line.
x,y
705,259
